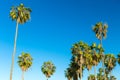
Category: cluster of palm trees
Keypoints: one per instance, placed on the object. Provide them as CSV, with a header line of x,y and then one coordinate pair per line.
x,y
21,14
85,56
25,62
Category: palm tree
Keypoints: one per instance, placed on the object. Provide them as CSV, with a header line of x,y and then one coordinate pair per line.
x,y
78,50
48,69
72,73
110,62
25,62
20,14
88,59
100,30
74,68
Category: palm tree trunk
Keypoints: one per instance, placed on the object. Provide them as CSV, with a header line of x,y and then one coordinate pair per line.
x,y
22,75
14,51
103,61
103,67
95,72
81,67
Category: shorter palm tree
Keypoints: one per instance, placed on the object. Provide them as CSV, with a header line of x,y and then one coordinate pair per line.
x,y
48,69
25,62
110,62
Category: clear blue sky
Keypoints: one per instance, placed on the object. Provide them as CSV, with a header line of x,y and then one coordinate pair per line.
x,y
54,26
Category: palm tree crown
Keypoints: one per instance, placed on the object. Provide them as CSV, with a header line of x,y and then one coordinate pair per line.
x,y
100,30
25,61
48,69
20,13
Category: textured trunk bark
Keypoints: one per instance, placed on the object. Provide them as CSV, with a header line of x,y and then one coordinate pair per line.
x,y
14,51
81,67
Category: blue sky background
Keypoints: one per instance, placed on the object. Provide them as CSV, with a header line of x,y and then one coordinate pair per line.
x,y
54,26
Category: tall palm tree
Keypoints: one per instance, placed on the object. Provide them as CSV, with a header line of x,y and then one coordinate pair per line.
x,y
110,62
25,62
21,15
48,69
100,30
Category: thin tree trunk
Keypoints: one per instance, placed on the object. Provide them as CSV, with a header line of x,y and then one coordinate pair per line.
x,y
81,67
95,72
103,60
14,51
103,67
22,75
